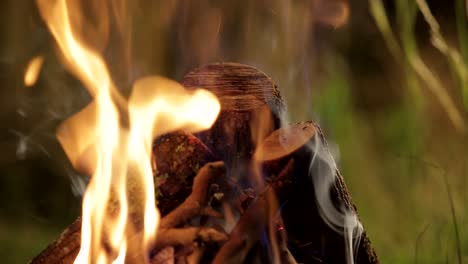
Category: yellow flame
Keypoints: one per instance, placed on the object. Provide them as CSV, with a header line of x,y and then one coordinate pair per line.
x,y
32,71
111,139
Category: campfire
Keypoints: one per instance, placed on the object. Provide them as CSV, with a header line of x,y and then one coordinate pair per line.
x,y
206,171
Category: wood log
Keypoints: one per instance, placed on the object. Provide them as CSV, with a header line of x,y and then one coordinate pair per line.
x,y
310,237
177,158
63,250
248,98
251,108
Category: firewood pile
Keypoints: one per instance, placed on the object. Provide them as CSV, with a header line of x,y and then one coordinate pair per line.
x,y
242,191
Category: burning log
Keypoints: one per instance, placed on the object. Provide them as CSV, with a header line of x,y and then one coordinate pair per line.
x,y
196,204
251,108
177,157
181,155
289,206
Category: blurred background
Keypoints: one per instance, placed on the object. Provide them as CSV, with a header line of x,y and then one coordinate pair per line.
x,y
387,80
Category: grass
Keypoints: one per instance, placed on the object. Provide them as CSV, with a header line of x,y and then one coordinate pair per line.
x,y
455,251
412,210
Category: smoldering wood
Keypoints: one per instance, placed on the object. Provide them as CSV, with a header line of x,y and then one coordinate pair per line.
x,y
255,220
180,156
177,157
172,228
251,110
197,201
310,238
250,102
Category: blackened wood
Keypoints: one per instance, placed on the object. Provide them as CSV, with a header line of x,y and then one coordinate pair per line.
x,y
177,157
244,241
310,238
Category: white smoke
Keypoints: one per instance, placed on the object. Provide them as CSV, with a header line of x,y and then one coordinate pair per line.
x,y
323,171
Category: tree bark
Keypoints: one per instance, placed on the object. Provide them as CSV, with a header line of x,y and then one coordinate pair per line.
x,y
63,250
177,157
251,108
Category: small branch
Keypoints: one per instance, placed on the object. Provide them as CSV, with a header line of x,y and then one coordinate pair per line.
x,y
188,235
196,202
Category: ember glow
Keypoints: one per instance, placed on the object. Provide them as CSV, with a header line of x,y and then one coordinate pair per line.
x,y
111,139
32,71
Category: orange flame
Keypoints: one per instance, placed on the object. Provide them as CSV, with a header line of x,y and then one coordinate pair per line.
x,y
32,71
111,139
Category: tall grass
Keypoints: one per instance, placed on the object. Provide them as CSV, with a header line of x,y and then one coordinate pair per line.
x,y
416,182
408,51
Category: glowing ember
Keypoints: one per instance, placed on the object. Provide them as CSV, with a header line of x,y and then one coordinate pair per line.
x,y
111,138
32,71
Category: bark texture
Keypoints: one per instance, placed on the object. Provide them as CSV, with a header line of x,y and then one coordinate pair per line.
x,y
251,108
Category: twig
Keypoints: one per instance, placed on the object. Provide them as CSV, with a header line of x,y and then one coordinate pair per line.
x,y
196,202
188,235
